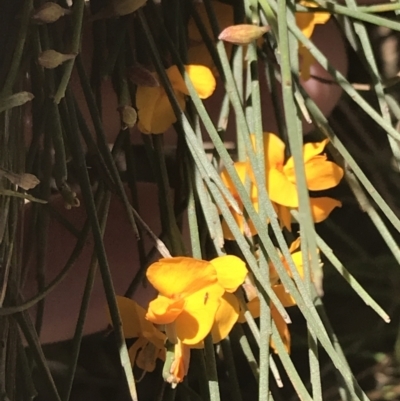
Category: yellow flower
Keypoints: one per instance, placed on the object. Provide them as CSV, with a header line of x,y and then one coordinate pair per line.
x,y
190,292
246,226
321,174
155,111
287,301
177,363
150,341
231,273
306,22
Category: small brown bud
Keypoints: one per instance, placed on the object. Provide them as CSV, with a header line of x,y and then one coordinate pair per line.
x,y
128,116
242,34
15,100
52,59
141,76
70,198
49,12
25,181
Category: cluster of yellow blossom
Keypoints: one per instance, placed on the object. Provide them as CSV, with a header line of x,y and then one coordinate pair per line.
x,y
321,174
196,298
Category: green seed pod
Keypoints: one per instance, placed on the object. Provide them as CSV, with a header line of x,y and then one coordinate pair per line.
x,y
128,116
49,12
52,59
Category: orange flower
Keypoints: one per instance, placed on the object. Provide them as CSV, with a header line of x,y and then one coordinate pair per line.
x,y
321,174
246,226
297,257
306,22
287,301
177,363
231,273
190,292
155,112
150,341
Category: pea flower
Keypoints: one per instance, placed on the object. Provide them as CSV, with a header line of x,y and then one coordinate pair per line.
x,y
245,225
286,299
149,345
231,273
321,174
307,22
155,111
190,294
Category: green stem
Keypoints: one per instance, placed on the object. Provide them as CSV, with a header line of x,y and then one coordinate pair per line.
x,y
14,69
79,158
211,369
167,209
77,339
76,22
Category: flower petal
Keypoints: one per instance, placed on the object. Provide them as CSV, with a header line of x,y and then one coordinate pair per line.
x,y
322,174
307,21
280,189
136,346
254,308
284,216
312,149
181,276
282,329
306,60
177,81
322,207
274,150
147,357
180,364
146,100
294,245
132,317
197,318
203,80
227,315
244,172
245,226
231,271
163,310
286,299
298,261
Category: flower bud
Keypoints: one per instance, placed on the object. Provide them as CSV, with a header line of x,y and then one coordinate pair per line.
x,y
25,181
52,59
28,181
49,12
242,34
128,116
70,197
15,100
